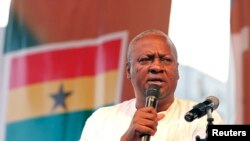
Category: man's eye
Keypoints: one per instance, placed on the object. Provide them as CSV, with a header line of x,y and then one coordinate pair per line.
x,y
144,60
166,59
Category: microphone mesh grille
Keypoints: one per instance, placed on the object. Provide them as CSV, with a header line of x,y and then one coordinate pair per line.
x,y
153,90
214,100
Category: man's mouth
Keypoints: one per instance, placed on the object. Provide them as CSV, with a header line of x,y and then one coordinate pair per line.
x,y
158,81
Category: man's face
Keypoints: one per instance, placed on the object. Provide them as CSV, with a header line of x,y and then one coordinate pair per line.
x,y
153,61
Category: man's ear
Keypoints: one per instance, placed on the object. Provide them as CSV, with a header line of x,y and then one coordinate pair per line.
x,y
128,70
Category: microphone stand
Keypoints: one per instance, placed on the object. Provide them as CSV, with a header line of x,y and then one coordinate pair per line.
x,y
210,120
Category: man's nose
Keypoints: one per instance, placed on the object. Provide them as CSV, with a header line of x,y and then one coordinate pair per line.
x,y
156,67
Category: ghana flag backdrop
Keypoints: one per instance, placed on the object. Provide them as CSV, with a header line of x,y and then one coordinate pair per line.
x,y
65,58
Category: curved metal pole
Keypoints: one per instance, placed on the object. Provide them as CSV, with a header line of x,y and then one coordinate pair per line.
x,y
210,120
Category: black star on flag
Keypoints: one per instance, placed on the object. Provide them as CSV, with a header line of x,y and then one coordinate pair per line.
x,y
60,97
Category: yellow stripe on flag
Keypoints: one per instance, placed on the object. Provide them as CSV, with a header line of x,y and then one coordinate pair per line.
x,y
36,100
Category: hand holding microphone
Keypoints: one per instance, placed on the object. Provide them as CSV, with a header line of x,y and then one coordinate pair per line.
x,y
144,122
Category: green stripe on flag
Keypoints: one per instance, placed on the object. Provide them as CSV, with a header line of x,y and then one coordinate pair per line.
x,y
63,127
17,35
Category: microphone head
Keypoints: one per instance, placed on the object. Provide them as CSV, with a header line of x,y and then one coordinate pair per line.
x,y
214,101
153,90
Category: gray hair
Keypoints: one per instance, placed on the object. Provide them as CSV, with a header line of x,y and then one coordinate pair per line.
x,y
151,32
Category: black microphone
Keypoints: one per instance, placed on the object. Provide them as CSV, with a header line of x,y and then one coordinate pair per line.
x,y
200,109
152,94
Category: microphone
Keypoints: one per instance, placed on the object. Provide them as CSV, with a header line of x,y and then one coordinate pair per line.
x,y
152,94
200,109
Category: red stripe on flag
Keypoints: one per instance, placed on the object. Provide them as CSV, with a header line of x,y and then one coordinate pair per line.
x,y
66,63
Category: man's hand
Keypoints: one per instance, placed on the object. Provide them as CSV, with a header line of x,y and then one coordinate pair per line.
x,y
145,121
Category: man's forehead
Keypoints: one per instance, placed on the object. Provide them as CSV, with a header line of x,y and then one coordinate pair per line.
x,y
149,46
141,44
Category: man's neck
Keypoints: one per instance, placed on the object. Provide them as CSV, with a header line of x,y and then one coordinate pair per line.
x,y
164,105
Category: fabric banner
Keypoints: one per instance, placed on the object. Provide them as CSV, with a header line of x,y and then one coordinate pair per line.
x,y
240,33
54,83
63,59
